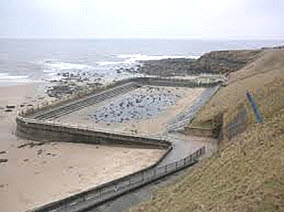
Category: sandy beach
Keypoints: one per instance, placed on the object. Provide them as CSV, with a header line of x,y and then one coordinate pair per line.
x,y
35,173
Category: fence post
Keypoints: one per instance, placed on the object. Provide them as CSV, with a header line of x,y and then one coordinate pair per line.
x,y
254,107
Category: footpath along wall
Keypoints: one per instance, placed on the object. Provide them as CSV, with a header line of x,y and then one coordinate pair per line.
x,y
93,197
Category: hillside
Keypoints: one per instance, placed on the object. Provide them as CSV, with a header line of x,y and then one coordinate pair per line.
x,y
214,62
256,75
247,173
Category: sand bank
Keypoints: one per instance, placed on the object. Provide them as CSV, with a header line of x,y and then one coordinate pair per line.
x,y
36,174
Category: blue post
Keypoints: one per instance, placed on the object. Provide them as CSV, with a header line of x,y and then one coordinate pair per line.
x,y
254,107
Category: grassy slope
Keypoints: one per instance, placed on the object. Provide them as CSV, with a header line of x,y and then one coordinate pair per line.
x,y
252,77
247,174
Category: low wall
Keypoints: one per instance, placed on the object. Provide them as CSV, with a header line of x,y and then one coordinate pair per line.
x,y
196,131
44,131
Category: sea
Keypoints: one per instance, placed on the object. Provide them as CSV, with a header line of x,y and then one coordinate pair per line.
x,y
37,60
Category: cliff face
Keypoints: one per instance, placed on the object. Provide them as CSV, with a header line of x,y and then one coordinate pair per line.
x,y
214,62
225,62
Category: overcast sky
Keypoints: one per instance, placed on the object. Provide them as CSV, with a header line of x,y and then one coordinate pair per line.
x,y
205,19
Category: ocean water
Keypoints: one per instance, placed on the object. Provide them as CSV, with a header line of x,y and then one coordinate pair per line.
x,y
24,61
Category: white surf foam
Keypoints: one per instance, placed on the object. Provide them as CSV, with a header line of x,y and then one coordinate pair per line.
x,y
135,58
141,57
61,66
6,76
6,79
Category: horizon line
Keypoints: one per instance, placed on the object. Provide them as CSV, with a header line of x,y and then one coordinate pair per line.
x,y
133,38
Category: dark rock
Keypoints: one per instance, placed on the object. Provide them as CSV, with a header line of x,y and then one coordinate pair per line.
x,y
10,106
3,185
3,160
31,144
214,62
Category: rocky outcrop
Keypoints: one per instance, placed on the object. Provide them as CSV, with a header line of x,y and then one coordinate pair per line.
x,y
217,62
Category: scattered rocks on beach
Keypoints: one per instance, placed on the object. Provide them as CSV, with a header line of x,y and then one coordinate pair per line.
x,y
131,70
68,88
3,185
3,160
72,82
31,144
39,151
10,106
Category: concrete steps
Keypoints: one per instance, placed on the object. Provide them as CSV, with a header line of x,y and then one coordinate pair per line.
x,y
94,99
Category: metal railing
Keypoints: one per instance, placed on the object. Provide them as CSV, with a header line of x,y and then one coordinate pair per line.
x,y
116,188
186,116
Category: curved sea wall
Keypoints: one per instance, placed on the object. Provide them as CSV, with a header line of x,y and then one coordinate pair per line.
x,y
48,131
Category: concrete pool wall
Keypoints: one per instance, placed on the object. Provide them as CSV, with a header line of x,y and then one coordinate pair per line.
x,y
34,125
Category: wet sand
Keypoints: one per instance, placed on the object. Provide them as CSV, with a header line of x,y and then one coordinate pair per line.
x,y
38,173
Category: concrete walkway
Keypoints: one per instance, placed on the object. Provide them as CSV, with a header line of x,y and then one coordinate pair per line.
x,y
182,147
185,145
